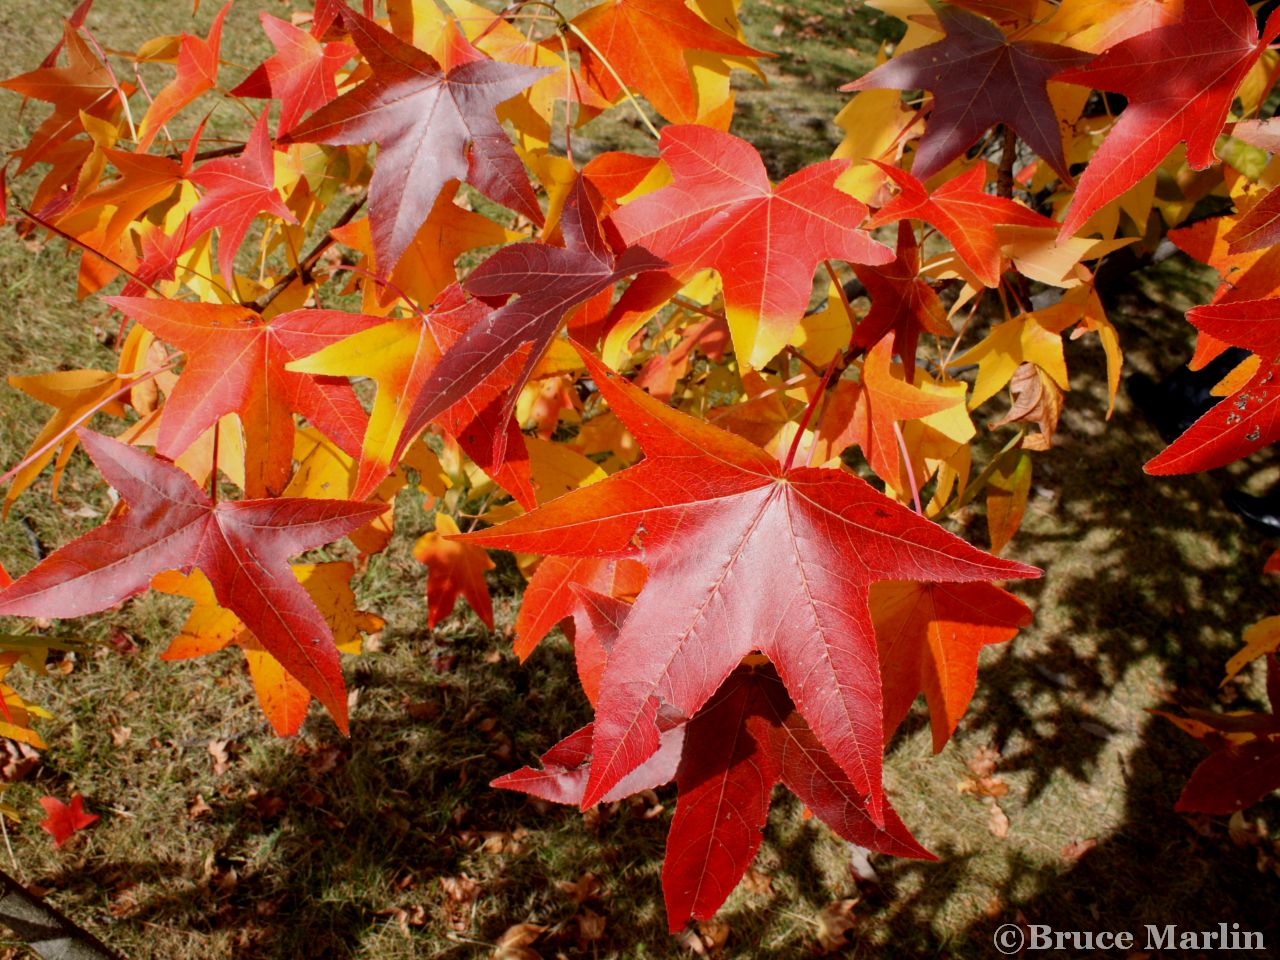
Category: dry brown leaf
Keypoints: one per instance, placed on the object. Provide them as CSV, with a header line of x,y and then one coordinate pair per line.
x,y
461,894
198,808
120,735
835,921
406,917
17,760
1036,399
221,756
1076,849
514,944
997,819
581,890
707,938
590,926
983,781
757,881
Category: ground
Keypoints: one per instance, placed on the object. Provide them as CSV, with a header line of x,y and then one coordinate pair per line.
x,y
220,840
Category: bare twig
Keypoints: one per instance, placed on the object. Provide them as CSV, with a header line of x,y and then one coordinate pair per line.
x,y
303,269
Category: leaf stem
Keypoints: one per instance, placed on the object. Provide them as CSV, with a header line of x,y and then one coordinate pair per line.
x,y
812,408
906,462
1008,153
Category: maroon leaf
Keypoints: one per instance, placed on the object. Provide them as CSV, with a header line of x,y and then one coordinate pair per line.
x,y
547,282
432,123
978,78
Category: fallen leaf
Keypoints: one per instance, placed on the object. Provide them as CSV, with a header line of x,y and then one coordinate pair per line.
x,y
61,821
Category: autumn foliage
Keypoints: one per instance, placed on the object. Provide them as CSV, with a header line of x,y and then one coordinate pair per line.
x,y
720,420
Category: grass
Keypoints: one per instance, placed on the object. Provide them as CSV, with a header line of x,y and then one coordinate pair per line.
x,y
329,847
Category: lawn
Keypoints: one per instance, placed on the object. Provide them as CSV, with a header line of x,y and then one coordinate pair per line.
x,y
1052,804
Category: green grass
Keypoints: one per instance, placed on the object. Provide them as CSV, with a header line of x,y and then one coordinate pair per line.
x,y
309,846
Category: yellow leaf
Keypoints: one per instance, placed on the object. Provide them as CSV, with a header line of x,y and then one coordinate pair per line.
x,y
71,393
1007,494
821,335
1259,640
1022,339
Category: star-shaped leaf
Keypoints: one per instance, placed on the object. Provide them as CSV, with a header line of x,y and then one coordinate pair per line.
x,y
236,364
726,761
210,628
63,821
547,282
930,635
645,42
965,213
243,547
432,124
978,78
197,73
901,303
1180,80
236,189
743,554
721,211
453,569
82,85
301,74
401,357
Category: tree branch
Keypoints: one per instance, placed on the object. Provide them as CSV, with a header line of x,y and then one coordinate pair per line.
x,y
303,269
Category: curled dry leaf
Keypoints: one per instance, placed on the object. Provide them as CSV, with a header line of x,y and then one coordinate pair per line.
x,y
460,896
515,943
1036,399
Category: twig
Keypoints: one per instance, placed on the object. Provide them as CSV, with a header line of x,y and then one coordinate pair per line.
x,y
1008,153
303,269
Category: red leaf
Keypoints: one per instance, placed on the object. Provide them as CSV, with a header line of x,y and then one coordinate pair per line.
x,y
965,213
197,73
978,78
1249,419
236,190
1180,81
900,302
301,74
550,596
743,555
646,42
1245,764
1258,228
243,547
85,83
930,635
61,821
454,569
432,124
722,212
236,363
730,755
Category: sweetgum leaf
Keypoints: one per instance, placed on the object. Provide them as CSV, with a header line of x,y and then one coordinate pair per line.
x,y
242,546
432,123
978,78
1180,80
743,555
